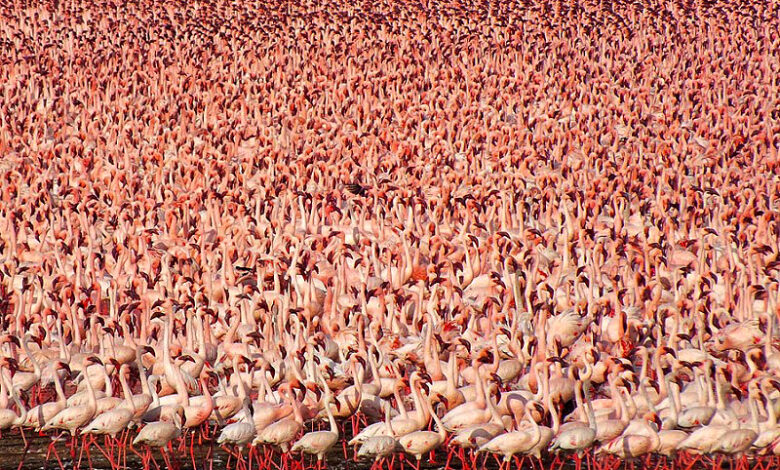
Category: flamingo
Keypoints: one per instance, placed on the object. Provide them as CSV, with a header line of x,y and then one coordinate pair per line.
x,y
9,418
319,442
116,420
516,442
238,434
74,417
578,438
39,415
160,434
379,446
421,442
527,211
282,432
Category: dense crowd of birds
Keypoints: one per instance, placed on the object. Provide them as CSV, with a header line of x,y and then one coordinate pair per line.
x,y
500,228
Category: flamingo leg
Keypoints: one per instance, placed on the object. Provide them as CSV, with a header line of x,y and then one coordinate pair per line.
x,y
24,439
183,443
110,447
449,458
91,440
239,460
166,458
124,447
209,451
192,452
73,446
272,462
56,455
85,447
81,452
132,449
156,465
693,462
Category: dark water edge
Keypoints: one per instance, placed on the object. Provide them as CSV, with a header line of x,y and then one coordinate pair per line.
x,y
209,456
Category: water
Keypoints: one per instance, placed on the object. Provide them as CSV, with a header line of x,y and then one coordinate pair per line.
x,y
209,456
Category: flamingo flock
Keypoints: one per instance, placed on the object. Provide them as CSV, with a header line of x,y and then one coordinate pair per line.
x,y
529,233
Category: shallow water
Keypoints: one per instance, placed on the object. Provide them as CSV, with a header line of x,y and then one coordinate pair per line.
x,y
209,456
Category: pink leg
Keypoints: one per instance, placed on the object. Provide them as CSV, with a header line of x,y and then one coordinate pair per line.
x,y
165,458
91,440
53,449
24,438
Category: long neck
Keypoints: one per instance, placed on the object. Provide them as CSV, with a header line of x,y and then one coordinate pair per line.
x,y
419,402
61,400
496,355
770,328
480,387
267,386
585,395
91,392
442,433
543,381
631,408
753,412
206,392
241,385
645,360
721,399
153,391
36,365
676,403
64,353
708,389
333,426
771,414
537,432
167,341
495,416
452,383
231,333
400,402
622,404
142,373
554,413
107,382
126,391
643,391
296,410
388,420
188,331
22,410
